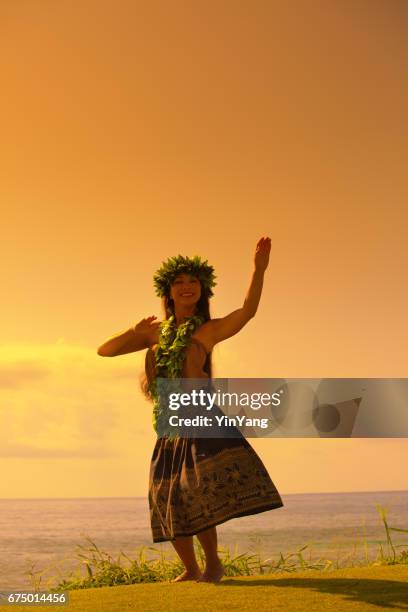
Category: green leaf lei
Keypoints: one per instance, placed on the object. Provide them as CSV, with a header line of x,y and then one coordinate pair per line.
x,y
170,355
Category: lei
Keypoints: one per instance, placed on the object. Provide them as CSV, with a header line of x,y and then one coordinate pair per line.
x,y
170,354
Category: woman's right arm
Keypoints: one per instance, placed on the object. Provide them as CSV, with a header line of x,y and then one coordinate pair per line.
x,y
133,339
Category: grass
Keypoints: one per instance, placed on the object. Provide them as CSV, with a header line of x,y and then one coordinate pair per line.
x,y
101,570
358,589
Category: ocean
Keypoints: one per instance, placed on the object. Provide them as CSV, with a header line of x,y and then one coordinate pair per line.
x,y
41,533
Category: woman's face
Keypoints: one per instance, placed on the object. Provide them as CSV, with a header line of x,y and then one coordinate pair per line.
x,y
185,289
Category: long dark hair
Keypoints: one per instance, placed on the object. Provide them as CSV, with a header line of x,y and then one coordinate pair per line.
x,y
203,309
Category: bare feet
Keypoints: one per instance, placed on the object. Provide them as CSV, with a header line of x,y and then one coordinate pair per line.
x,y
214,573
188,575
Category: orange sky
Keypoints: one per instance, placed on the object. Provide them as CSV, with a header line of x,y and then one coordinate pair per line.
x,y
136,131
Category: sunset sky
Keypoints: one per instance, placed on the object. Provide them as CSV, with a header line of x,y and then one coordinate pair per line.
x,y
133,131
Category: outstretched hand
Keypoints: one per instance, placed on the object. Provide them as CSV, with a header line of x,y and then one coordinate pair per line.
x,y
147,326
263,248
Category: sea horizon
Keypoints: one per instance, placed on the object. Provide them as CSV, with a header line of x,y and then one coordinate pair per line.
x,y
145,496
48,530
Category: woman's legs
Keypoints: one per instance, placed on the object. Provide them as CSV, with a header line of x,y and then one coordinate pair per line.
x,y
185,550
214,569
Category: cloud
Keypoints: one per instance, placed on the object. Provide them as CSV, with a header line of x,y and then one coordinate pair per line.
x,y
61,400
16,374
31,452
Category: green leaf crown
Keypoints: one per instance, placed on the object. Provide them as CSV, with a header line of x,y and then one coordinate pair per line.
x,y
194,266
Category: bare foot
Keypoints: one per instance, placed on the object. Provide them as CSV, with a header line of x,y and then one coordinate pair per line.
x,y
212,574
188,575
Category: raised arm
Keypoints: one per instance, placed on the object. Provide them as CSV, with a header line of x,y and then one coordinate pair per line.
x,y
227,326
133,339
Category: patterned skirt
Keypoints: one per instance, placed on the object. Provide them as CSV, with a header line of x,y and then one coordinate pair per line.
x,y
197,483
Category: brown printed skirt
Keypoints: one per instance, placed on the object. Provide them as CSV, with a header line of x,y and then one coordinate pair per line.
x,y
197,483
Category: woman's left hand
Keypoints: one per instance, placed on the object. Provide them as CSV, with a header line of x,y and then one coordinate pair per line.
x,y
263,248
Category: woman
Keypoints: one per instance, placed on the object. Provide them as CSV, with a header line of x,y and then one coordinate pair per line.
x,y
196,483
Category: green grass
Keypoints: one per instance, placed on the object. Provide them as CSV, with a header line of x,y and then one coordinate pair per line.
x,y
355,589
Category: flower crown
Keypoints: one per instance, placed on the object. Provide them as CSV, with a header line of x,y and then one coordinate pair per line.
x,y
174,266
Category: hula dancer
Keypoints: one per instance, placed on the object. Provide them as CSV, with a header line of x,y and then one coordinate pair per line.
x,y
196,483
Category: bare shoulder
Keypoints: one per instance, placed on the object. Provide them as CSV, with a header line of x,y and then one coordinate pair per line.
x,y
205,334
217,330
